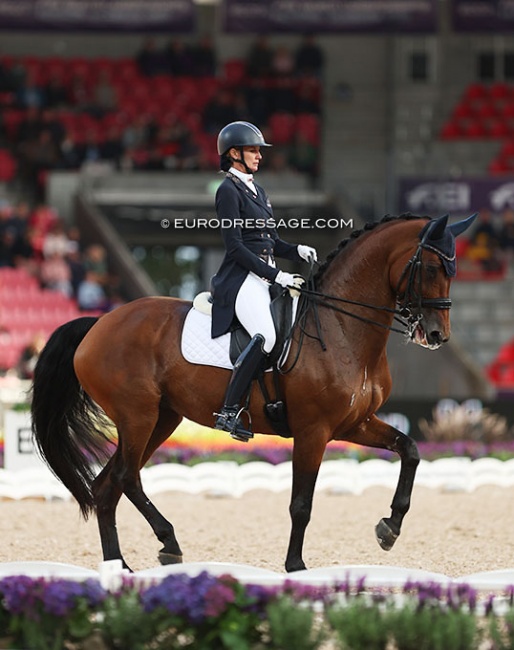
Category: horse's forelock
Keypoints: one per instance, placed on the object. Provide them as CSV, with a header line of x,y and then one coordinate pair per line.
x,y
406,216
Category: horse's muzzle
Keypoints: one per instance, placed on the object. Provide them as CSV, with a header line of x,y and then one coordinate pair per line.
x,y
429,335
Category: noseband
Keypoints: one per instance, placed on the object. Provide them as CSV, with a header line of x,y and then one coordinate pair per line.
x,y
408,312
412,298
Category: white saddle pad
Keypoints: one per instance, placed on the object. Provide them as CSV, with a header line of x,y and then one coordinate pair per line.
x,y
197,346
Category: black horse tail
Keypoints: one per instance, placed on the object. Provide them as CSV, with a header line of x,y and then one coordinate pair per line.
x,y
66,423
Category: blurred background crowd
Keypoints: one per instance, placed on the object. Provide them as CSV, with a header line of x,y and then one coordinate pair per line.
x,y
107,134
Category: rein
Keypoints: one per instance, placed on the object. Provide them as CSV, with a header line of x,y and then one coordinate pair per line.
x,y
404,314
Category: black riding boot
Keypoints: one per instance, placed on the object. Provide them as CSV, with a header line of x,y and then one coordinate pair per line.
x,y
245,369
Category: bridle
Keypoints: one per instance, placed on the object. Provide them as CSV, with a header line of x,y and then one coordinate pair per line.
x,y
407,312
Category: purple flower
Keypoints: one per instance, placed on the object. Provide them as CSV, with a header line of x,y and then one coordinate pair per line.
x,y
60,596
29,596
19,593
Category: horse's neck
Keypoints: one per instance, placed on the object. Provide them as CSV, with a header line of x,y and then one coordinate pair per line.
x,y
361,273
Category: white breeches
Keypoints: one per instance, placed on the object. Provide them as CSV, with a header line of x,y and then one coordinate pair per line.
x,y
253,309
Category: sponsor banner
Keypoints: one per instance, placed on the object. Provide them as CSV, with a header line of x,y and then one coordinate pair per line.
x,y
434,197
329,15
99,15
483,15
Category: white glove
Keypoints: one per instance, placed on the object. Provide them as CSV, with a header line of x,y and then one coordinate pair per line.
x,y
290,281
307,253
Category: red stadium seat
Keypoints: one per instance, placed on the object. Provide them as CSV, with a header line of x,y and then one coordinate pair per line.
x,y
476,91
234,72
309,125
8,166
451,131
282,127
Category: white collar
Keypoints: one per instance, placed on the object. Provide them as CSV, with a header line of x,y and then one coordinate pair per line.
x,y
246,178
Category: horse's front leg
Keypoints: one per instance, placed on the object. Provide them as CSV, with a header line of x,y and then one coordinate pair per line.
x,y
307,456
375,433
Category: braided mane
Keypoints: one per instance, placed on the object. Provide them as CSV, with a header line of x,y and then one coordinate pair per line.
x,y
407,216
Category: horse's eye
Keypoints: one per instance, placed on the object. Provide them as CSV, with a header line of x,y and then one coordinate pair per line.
x,y
431,271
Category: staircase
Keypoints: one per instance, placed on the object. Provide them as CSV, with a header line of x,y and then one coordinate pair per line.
x,y
483,316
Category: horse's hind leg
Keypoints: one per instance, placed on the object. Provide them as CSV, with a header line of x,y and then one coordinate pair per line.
x,y
121,475
170,553
376,433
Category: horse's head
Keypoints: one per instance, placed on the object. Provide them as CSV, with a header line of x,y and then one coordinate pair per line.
x,y
424,283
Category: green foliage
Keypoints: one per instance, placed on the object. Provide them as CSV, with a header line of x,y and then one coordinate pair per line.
x,y
292,626
433,628
360,625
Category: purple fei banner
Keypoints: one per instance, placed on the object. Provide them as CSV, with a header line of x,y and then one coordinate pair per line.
x,y
99,15
375,16
434,197
483,15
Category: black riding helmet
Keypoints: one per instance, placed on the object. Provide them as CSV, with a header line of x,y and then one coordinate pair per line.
x,y
238,135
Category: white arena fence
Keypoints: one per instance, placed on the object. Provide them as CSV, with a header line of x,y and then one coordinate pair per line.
x,y
227,478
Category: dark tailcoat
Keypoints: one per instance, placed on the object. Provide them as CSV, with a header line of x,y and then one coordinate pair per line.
x,y
247,246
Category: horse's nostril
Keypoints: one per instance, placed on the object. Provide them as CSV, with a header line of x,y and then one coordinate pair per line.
x,y
437,337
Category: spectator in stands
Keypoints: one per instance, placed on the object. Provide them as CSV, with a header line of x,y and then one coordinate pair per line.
x,y
30,126
283,95
5,78
103,97
30,94
303,155
308,95
76,266
56,92
7,240
79,94
90,151
259,58
56,240
90,294
38,156
188,154
259,100
203,58
309,57
282,62
506,234
150,59
220,110
50,121
69,152
484,248
111,148
55,274
29,357
95,260
178,61
18,219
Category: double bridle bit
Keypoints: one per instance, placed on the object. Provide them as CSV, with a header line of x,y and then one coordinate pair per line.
x,y
407,313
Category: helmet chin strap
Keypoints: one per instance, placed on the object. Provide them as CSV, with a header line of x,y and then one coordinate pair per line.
x,y
242,161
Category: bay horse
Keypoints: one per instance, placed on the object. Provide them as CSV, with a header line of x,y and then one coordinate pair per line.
x,y
127,365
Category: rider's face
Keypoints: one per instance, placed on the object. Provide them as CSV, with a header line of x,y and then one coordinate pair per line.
x,y
252,157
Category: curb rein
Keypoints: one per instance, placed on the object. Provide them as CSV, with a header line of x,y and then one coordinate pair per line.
x,y
408,313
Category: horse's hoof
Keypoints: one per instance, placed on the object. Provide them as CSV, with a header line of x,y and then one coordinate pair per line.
x,y
296,567
385,536
170,558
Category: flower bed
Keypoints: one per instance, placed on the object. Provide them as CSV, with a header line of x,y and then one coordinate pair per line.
x,y
192,444
217,613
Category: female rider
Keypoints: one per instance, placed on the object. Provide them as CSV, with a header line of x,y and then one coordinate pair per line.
x,y
241,286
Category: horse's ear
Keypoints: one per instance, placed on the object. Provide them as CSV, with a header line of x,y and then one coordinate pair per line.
x,y
436,228
461,226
